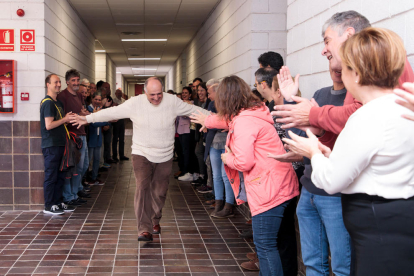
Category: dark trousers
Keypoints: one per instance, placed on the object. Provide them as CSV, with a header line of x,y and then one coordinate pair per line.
x,y
179,151
54,179
118,136
152,181
381,232
199,152
189,163
107,138
265,232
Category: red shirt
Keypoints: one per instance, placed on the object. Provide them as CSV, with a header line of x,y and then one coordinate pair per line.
x,y
72,103
333,118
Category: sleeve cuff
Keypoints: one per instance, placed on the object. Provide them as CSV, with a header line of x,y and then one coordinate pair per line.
x,y
317,161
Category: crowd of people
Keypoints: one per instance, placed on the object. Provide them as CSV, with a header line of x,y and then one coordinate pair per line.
x,y
63,191
341,162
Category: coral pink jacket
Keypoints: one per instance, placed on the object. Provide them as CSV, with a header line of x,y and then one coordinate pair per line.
x,y
251,137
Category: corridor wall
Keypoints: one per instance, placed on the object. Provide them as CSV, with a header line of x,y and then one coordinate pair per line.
x,y
230,41
62,42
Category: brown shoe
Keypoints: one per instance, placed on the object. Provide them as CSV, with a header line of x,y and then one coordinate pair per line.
x,y
251,256
249,222
177,174
212,206
145,236
252,265
217,207
208,202
226,212
156,229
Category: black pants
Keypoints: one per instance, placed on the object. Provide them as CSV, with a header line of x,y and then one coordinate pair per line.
x,y
185,141
381,232
118,136
107,138
54,179
179,151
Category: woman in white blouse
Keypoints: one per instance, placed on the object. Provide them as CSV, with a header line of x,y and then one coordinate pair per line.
x,y
372,163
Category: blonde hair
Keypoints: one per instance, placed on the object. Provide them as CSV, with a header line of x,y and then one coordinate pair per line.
x,y
377,55
275,86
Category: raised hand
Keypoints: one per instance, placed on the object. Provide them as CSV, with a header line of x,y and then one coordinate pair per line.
x,y
303,146
294,115
199,118
287,86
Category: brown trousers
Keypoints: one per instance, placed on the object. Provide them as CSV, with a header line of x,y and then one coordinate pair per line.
x,y
152,181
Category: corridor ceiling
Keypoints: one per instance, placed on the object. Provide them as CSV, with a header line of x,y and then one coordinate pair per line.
x,y
113,20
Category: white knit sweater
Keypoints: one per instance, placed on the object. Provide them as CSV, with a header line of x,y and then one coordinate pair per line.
x,y
153,125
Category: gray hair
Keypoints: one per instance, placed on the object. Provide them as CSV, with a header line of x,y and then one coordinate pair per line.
x,y
342,20
153,78
265,74
84,81
212,82
97,93
215,86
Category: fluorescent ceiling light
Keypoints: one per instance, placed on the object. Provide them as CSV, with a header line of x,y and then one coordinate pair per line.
x,y
146,69
144,58
143,75
100,51
163,39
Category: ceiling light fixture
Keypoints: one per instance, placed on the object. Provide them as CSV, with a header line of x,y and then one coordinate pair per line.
x,y
163,39
100,51
146,69
144,75
144,58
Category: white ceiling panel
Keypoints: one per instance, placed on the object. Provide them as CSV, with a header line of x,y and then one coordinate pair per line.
x,y
175,20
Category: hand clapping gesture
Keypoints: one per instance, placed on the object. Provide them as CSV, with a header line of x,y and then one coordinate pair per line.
x,y
287,86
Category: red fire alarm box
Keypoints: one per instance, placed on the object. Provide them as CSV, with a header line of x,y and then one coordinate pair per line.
x,y
7,86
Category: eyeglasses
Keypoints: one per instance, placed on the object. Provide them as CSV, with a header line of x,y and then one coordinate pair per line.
x,y
255,85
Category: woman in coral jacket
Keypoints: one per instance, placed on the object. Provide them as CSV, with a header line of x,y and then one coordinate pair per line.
x,y
269,184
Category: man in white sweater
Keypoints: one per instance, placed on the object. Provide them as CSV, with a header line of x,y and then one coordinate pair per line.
x,y
153,116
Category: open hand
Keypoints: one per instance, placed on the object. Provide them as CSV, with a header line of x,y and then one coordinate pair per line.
x,y
199,118
287,86
408,96
294,115
303,146
78,120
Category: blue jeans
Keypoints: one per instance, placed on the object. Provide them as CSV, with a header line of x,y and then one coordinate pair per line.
x,y
85,166
322,230
265,230
94,157
220,180
73,185
54,179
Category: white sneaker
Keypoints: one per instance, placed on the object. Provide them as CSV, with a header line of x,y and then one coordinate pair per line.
x,y
186,177
196,176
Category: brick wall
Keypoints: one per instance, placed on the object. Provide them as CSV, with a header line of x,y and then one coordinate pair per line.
x,y
230,41
304,41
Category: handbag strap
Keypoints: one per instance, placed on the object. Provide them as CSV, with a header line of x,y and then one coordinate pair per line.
x,y
60,114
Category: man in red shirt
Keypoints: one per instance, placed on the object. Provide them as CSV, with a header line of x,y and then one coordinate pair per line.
x,y
72,101
329,118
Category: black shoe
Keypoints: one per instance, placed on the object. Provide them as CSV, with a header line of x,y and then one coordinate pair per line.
x,y
66,208
124,158
102,169
53,210
208,196
72,203
110,161
116,160
246,234
83,194
80,200
145,236
87,188
199,181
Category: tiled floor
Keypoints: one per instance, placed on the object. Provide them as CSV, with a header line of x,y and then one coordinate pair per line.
x,y
100,238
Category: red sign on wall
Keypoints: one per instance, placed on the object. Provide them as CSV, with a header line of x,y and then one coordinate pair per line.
x,y
6,40
27,40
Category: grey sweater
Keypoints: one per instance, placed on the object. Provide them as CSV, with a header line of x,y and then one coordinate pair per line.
x,y
324,96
